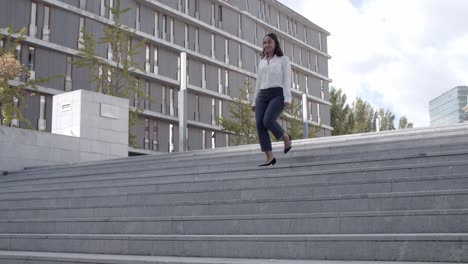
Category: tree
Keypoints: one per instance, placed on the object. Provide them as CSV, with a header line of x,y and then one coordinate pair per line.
x,y
117,77
12,97
341,116
361,117
363,114
242,125
403,123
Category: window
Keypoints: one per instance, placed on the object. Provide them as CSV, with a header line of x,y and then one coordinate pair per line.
x,y
156,61
213,111
146,140
213,139
204,76
197,41
80,34
307,84
147,95
147,58
138,19
156,22
212,14
103,8
171,102
171,138
172,31
220,16
32,62
197,108
186,40
226,51
220,81
305,34
316,63
164,26
83,4
111,6
256,34
226,82
68,75
33,20
178,68
322,89
41,122
46,24
300,56
136,100
155,136
220,108
203,139
212,46
240,55
197,8
163,101
239,26
310,110
320,40
109,52
318,113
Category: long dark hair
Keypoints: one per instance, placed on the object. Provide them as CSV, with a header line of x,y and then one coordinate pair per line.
x,y
278,52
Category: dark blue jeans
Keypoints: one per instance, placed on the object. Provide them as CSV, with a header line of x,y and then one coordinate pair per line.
x,y
268,107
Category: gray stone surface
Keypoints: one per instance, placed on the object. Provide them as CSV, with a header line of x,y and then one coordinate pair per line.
x,y
79,133
396,196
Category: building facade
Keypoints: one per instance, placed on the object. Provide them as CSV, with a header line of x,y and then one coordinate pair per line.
x,y
448,108
222,39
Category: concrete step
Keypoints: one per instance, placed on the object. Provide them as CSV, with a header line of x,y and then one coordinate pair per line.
x,y
245,191
410,221
30,257
424,200
234,159
291,165
243,178
310,145
402,247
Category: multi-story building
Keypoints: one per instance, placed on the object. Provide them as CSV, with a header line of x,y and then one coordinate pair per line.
x,y
222,39
447,108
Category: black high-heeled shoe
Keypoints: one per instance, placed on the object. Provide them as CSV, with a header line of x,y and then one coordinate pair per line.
x,y
286,150
272,162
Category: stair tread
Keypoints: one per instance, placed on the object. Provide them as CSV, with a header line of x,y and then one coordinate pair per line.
x,y
124,259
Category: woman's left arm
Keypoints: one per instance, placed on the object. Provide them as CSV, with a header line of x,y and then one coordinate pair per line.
x,y
287,80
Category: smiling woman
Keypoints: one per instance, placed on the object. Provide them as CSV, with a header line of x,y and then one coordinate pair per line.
x,y
272,95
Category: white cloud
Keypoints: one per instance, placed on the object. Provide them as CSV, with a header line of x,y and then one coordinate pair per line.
x,y
396,54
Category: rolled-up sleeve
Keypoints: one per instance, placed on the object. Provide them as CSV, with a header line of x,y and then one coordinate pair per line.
x,y
287,80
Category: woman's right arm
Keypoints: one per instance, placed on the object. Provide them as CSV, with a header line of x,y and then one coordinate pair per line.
x,y
258,86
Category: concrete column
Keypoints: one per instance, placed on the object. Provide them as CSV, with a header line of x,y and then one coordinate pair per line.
x,y
305,123
183,103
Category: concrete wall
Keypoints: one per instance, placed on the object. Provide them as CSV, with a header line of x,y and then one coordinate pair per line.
x,y
86,126
20,148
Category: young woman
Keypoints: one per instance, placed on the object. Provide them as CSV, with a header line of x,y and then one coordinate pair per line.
x,y
272,95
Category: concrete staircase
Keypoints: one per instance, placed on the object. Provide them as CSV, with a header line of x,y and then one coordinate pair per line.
x,y
392,196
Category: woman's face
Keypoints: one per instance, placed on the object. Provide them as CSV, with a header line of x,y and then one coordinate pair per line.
x,y
268,45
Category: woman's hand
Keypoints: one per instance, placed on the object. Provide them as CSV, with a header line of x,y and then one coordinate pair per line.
x,y
286,105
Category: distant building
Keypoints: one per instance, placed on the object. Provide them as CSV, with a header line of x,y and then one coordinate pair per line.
x,y
450,107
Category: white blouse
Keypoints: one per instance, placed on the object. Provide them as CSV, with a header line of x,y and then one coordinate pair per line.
x,y
276,73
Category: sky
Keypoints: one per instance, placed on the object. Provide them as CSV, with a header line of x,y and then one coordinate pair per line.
x,y
395,54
